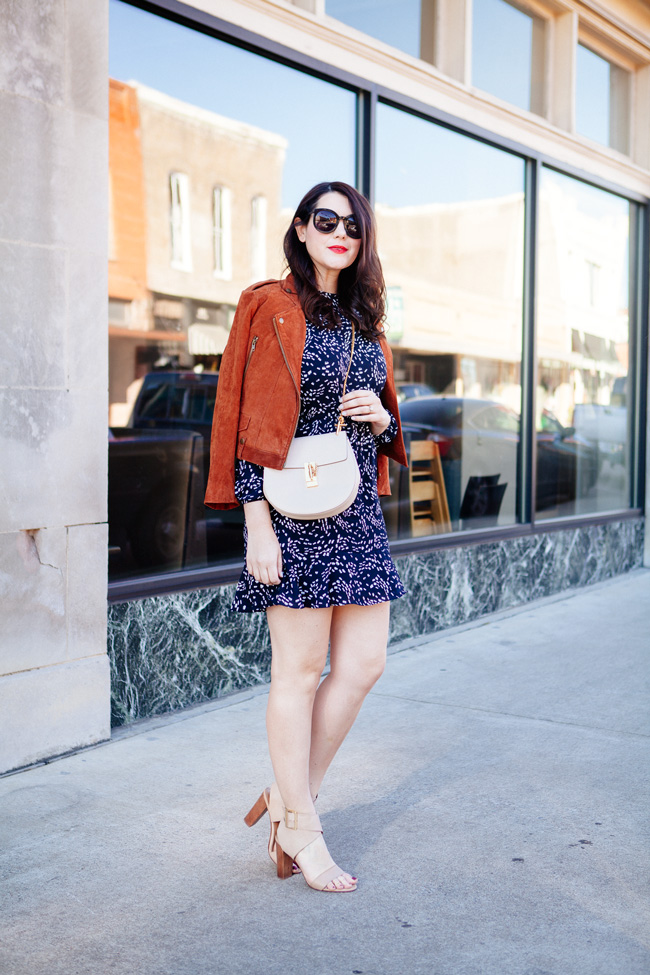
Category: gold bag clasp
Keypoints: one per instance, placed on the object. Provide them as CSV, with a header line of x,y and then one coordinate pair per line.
x,y
311,474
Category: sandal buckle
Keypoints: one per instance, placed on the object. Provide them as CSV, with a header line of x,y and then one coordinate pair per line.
x,y
294,814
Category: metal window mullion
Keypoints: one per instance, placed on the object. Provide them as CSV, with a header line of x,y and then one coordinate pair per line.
x,y
527,460
366,129
637,381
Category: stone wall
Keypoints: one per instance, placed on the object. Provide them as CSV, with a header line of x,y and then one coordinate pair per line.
x,y
54,674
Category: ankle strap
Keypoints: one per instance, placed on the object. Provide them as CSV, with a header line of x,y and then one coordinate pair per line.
x,y
301,820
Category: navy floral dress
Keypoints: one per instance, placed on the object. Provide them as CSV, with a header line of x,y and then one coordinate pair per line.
x,y
343,559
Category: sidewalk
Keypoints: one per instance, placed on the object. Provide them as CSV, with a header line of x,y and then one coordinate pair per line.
x,y
492,798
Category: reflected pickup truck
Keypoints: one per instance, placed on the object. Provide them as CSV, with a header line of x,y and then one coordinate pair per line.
x,y
177,401
184,400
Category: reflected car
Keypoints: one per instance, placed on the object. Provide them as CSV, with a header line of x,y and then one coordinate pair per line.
x,y
184,400
605,427
567,464
411,390
175,400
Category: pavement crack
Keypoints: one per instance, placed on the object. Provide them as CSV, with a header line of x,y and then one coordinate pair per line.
x,y
512,714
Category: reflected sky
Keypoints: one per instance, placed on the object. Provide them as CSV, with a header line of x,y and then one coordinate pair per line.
x,y
396,22
419,162
317,118
612,211
589,199
592,96
502,39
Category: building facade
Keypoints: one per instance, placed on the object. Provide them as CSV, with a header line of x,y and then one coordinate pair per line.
x,y
506,149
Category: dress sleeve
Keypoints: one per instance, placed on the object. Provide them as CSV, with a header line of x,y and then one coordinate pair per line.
x,y
389,433
248,482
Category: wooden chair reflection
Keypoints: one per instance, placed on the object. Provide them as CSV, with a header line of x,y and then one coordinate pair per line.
x,y
427,493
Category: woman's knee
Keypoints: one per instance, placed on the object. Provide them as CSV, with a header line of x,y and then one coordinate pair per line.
x,y
361,675
296,676
374,669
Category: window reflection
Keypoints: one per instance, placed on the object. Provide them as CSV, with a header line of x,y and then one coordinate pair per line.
x,y
508,53
592,95
602,100
583,349
222,230
204,176
450,219
396,22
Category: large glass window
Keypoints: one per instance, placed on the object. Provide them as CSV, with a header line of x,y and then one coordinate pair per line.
x,y
207,164
508,53
583,457
450,213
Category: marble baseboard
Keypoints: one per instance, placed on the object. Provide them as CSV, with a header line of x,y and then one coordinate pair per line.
x,y
168,652
453,586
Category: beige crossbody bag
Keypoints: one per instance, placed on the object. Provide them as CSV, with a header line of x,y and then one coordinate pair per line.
x,y
320,477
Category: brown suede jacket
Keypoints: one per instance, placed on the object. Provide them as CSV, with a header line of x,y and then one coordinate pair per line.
x,y
258,394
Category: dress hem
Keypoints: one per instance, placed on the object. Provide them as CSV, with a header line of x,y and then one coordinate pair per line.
x,y
328,605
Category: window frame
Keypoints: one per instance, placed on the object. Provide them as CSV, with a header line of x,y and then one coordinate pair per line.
x,y
368,94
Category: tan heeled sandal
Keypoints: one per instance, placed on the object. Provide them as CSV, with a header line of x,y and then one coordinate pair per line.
x,y
294,834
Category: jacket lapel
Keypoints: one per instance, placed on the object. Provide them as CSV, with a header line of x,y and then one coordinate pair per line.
x,y
292,331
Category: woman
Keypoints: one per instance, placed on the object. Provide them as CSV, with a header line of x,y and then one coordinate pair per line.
x,y
321,582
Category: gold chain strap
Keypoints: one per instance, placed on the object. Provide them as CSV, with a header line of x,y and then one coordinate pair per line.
x,y
341,419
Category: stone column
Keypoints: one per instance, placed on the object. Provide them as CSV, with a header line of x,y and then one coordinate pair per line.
x,y
54,675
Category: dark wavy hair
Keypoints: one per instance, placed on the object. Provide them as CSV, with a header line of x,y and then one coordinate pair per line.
x,y
361,288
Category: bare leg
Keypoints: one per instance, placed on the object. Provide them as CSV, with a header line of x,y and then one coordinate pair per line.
x,y
358,638
299,641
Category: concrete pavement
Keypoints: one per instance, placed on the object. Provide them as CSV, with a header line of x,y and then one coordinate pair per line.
x,y
492,798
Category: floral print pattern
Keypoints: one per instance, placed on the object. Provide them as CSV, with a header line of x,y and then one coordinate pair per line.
x,y
344,559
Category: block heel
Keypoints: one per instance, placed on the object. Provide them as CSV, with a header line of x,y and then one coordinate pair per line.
x,y
257,811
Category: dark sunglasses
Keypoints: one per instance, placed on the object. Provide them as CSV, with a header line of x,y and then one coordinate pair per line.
x,y
326,221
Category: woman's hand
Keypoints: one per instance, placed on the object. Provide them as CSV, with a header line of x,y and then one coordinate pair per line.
x,y
263,552
363,406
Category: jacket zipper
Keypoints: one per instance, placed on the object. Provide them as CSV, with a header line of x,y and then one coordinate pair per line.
x,y
252,349
293,379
